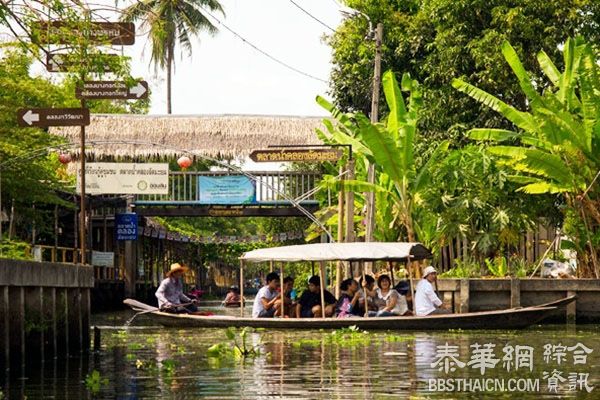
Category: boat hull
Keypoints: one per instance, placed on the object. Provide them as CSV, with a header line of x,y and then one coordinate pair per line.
x,y
501,319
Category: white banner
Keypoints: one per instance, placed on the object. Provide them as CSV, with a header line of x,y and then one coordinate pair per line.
x,y
125,178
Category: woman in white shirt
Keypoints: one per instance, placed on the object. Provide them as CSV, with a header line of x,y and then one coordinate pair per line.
x,y
393,303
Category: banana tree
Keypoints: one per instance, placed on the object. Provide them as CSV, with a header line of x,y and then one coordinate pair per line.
x,y
555,146
390,146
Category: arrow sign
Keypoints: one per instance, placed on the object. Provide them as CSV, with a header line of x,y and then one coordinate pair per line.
x,y
60,62
44,117
92,90
299,155
61,32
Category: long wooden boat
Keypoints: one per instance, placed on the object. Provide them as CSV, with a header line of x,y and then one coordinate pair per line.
x,y
514,318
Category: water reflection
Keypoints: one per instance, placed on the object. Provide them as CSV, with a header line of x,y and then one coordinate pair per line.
x,y
171,363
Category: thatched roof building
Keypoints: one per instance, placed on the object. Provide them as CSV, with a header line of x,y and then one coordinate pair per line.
x,y
228,136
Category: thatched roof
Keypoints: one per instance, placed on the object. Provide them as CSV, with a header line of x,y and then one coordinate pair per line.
x,y
226,136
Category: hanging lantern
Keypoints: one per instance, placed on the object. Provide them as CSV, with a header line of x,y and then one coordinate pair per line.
x,y
64,158
184,162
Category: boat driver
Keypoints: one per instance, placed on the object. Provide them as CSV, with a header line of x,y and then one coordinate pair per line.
x,y
170,292
426,301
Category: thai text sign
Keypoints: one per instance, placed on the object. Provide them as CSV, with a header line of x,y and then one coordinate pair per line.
x,y
44,117
63,62
234,189
126,227
103,258
61,32
125,178
298,155
111,90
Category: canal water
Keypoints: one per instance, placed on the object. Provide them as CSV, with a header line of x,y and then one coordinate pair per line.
x,y
146,361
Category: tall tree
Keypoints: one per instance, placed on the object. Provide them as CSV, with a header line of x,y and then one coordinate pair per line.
x,y
437,40
172,22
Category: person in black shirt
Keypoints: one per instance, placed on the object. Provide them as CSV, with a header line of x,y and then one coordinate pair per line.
x,y
309,305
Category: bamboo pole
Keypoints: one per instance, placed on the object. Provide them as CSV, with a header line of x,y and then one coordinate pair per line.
x,y
241,288
281,308
412,286
365,290
340,231
322,281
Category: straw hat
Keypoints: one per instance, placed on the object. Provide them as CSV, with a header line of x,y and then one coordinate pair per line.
x,y
176,268
428,270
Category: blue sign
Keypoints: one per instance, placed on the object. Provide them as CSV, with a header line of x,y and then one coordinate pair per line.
x,y
226,190
126,226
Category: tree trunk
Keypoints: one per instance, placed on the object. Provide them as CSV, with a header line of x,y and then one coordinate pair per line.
x,y
169,70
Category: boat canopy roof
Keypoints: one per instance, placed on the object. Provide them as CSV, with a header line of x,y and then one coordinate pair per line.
x,y
355,251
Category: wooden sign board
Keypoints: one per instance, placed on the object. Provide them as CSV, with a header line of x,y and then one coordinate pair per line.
x,y
114,33
297,155
93,90
61,62
44,117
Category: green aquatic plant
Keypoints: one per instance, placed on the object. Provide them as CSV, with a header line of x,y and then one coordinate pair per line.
x,y
93,382
306,342
398,338
348,337
237,346
168,367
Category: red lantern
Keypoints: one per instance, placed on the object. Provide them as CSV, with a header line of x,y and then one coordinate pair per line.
x,y
64,158
184,162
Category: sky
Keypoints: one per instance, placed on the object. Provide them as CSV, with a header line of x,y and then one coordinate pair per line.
x,y
224,75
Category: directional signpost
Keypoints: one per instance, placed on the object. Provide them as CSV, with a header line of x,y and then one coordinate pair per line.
x,y
114,33
297,155
60,62
94,90
44,117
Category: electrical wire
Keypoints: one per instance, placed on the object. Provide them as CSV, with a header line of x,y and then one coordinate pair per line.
x,y
312,16
278,61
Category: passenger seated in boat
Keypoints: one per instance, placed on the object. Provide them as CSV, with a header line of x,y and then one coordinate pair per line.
x,y
347,304
170,292
289,297
309,305
232,299
267,303
426,301
369,285
403,287
392,303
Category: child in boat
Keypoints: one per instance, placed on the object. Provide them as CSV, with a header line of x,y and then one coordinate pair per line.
x,y
309,305
289,297
232,299
267,303
347,304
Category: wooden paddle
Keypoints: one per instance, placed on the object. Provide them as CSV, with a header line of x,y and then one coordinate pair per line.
x,y
130,320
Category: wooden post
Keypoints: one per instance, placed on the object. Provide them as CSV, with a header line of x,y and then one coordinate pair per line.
x,y
16,325
340,231
322,281
464,295
242,288
365,290
391,267
349,235
515,292
282,294
572,307
4,327
271,266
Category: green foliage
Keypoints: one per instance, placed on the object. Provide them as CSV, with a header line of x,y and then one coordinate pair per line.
x,y
348,337
463,269
437,40
498,267
555,146
94,382
401,180
16,250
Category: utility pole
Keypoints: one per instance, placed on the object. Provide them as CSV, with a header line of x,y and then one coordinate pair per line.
x,y
370,198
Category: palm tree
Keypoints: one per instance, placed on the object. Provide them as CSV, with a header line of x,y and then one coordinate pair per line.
x,y
169,22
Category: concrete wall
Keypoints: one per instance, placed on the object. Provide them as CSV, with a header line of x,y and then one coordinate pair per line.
x,y
493,294
44,310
